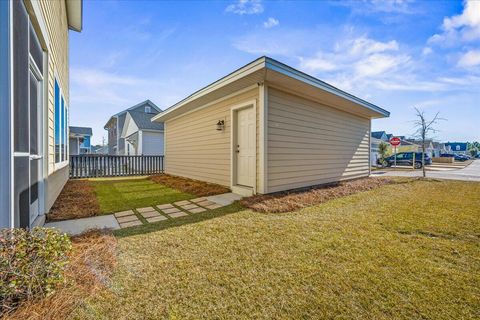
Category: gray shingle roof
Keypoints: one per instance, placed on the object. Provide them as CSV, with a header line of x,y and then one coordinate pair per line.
x,y
143,120
81,130
378,134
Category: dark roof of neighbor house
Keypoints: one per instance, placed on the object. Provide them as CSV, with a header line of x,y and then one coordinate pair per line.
x,y
407,143
85,131
462,146
144,120
143,103
389,136
378,134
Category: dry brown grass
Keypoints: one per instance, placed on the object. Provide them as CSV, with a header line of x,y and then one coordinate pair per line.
x,y
295,200
195,187
91,264
77,200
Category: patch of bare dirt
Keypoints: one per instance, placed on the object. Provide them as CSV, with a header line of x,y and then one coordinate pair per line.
x,y
195,187
295,200
77,200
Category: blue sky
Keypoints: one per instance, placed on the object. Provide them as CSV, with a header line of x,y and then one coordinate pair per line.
x,y
397,54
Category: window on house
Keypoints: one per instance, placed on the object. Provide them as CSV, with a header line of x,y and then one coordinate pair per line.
x,y
148,109
61,121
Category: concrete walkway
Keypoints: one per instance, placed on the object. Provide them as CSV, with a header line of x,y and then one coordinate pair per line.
x,y
78,226
140,216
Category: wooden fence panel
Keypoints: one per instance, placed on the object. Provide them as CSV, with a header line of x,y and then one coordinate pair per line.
x,y
93,165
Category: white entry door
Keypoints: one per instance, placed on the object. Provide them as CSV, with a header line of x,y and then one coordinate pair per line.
x,y
245,148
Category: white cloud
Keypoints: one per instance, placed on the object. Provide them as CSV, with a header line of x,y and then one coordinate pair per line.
x,y
364,45
379,64
318,63
271,22
426,51
380,6
464,27
245,7
470,59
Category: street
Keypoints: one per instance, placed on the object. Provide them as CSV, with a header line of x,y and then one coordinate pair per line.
x,y
469,173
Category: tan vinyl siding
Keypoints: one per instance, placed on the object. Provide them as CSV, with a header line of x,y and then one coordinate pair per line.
x,y
310,143
55,17
193,146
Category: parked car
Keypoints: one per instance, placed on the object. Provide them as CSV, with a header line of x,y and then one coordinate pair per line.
x,y
456,156
406,159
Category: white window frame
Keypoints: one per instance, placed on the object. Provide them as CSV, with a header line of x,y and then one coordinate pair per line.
x,y
61,163
149,109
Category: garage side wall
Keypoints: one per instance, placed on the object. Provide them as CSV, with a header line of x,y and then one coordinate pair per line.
x,y
310,143
195,149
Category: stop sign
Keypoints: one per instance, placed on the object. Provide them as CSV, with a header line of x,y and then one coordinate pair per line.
x,y
395,141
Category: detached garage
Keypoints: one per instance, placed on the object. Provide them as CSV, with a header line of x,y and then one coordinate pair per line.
x,y
267,127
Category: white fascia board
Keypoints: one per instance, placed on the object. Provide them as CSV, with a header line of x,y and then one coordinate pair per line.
x,y
74,14
269,63
296,74
235,75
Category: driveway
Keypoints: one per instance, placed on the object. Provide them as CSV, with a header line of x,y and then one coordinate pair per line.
x,y
469,173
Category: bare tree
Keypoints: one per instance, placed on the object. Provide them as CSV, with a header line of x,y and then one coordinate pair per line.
x,y
424,127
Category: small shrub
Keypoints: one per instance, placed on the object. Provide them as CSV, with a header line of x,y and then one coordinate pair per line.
x,y
32,264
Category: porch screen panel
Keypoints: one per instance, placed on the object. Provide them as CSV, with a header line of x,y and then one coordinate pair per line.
x,y
20,77
33,138
36,49
21,192
33,115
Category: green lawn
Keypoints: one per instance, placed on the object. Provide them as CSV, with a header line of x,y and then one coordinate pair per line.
x,y
408,250
116,195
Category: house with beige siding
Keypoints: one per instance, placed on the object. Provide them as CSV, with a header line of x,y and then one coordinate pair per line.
x,y
267,127
34,93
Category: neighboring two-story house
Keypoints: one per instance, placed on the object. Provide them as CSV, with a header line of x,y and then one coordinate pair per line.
x,y
141,135
80,139
34,104
116,123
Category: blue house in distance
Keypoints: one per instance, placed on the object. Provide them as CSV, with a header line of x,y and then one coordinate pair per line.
x,y
457,147
80,140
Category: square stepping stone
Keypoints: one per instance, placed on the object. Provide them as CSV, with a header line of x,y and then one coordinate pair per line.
x,y
197,210
165,206
127,219
124,213
196,200
181,203
205,203
147,209
189,206
178,214
156,219
150,214
130,224
171,210
213,206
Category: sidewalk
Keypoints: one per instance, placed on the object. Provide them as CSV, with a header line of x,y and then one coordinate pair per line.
x,y
140,216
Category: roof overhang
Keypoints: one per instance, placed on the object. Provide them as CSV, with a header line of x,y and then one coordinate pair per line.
x,y
75,14
277,75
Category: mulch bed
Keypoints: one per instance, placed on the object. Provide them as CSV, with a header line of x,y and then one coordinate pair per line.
x,y
295,200
77,200
92,262
195,187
